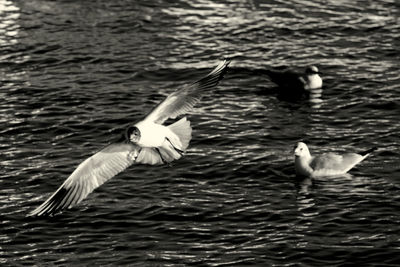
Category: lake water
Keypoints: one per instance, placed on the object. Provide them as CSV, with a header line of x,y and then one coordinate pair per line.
x,y
74,73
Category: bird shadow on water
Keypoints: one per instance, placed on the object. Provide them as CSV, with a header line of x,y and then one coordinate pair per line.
x,y
313,101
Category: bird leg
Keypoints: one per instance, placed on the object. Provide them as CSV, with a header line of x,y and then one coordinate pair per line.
x,y
180,152
159,153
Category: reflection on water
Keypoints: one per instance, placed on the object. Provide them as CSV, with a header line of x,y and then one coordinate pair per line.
x,y
315,98
9,28
10,78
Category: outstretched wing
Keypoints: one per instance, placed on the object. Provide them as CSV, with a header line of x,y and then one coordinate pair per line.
x,y
89,175
182,100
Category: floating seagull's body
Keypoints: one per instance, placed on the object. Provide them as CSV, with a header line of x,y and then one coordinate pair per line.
x,y
327,164
293,85
146,142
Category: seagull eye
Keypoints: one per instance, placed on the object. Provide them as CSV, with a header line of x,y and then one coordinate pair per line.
x,y
132,130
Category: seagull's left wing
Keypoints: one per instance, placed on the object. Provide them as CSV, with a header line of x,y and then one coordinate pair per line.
x,y
89,175
182,100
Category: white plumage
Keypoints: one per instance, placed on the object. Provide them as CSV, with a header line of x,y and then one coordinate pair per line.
x,y
169,142
327,164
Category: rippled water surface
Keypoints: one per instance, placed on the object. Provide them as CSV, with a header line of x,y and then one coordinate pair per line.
x,y
74,73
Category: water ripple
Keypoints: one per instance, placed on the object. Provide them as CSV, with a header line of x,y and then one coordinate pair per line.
x,y
74,74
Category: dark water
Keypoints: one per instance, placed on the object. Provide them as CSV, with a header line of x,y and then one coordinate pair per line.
x,y
73,73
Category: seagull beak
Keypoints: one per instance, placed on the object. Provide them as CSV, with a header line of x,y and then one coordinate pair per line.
x,y
295,151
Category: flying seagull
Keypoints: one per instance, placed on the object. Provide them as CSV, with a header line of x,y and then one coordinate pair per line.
x,y
146,142
294,85
327,164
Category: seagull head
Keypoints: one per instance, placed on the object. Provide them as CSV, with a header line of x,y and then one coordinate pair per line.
x,y
312,70
132,134
301,150
313,79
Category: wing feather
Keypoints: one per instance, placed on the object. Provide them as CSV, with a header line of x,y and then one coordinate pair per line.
x,y
326,161
89,175
183,100
335,163
66,201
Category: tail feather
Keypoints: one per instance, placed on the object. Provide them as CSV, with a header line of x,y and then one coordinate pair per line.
x,y
184,132
149,155
366,152
157,155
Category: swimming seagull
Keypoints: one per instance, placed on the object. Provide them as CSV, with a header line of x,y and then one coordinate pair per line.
x,y
293,85
146,142
327,164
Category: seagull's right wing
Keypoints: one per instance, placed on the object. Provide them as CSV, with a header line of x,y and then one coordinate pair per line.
x,y
327,161
182,100
89,175
336,164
